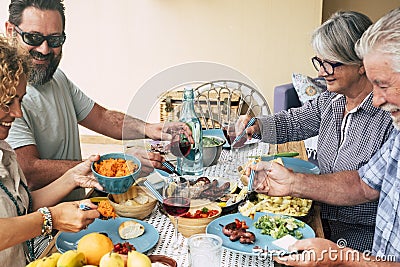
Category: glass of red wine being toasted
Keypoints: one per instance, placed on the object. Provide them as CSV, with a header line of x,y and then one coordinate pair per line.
x,y
176,203
180,146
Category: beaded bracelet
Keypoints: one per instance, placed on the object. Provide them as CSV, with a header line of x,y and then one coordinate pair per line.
x,y
47,226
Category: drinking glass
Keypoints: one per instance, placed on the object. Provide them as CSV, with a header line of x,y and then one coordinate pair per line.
x,y
229,130
180,146
205,250
176,202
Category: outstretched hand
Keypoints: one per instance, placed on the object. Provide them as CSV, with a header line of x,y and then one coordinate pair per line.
x,y
242,123
163,130
316,252
149,160
82,175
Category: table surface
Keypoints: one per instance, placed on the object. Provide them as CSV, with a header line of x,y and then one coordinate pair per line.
x,y
166,229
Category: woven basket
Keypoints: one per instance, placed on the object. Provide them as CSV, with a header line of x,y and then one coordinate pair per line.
x,y
138,212
171,103
190,226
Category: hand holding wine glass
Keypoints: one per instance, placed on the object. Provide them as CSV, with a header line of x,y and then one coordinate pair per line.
x,y
176,202
180,145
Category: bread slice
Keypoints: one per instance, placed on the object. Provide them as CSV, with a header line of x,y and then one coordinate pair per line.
x,y
130,229
141,198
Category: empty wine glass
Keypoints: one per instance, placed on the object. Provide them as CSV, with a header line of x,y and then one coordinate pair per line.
x,y
230,132
176,202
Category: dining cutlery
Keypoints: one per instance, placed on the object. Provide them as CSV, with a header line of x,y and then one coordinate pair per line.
x,y
167,164
249,124
277,155
84,207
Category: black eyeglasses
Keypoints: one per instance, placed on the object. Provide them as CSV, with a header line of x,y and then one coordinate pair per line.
x,y
36,39
329,67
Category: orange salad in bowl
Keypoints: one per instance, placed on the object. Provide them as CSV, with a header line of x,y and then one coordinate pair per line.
x,y
115,167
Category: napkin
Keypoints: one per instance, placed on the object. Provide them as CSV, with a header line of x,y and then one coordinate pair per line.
x,y
285,242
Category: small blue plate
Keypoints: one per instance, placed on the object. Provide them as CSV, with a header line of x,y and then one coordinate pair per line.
x,y
262,241
299,165
69,241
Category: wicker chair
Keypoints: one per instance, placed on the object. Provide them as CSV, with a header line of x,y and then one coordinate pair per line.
x,y
215,102
226,100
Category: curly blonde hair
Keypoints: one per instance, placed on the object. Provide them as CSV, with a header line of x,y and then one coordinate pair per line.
x,y
13,62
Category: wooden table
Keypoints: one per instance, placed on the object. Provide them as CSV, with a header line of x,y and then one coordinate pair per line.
x,y
314,219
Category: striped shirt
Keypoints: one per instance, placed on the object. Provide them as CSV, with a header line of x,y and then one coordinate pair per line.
x,y
344,143
382,173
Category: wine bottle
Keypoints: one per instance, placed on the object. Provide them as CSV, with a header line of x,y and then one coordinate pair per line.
x,y
191,164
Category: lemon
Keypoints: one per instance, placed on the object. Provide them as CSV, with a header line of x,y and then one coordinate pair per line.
x,y
137,259
222,204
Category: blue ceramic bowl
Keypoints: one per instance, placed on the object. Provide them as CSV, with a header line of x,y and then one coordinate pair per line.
x,y
117,185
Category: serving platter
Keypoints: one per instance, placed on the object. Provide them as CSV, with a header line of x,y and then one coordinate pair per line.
x,y
69,241
262,241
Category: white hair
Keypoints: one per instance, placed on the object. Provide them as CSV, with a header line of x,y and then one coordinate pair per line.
x,y
383,36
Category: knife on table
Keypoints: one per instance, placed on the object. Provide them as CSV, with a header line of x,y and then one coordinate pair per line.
x,y
277,155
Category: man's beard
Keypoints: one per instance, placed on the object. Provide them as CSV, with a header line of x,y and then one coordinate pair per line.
x,y
42,73
396,120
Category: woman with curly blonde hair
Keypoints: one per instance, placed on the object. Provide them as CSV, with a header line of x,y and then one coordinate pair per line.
x,y
23,214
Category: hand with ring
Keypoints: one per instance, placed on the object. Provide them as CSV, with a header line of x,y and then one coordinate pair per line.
x,y
68,217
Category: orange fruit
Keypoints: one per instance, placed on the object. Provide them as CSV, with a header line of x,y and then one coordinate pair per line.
x,y
94,246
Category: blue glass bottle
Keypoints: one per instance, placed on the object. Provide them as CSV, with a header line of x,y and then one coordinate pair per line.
x,y
192,164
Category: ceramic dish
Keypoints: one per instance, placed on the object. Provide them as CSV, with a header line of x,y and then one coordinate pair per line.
x,y
299,165
169,262
261,240
68,241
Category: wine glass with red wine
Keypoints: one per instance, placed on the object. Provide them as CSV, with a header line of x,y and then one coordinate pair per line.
x,y
176,203
180,146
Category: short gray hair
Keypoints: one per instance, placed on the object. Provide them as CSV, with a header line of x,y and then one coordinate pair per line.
x,y
334,40
383,36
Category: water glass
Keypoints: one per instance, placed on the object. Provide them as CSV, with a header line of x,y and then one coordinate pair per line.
x,y
205,250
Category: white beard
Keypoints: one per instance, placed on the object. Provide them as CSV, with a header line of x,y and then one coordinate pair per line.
x,y
390,108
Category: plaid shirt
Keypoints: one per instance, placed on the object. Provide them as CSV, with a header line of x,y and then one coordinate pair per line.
x,y
382,173
344,143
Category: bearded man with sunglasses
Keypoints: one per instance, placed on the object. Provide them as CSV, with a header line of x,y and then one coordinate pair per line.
x,y
350,129
46,139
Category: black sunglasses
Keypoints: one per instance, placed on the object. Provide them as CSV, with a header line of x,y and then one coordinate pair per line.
x,y
329,67
36,39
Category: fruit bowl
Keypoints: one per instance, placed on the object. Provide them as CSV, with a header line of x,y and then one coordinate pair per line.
x,y
120,184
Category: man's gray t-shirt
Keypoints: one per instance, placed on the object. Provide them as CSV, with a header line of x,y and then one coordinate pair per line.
x,y
51,113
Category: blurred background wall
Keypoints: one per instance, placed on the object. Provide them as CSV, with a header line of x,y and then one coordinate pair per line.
x,y
114,47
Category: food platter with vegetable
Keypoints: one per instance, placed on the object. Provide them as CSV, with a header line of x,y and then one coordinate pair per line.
x,y
261,240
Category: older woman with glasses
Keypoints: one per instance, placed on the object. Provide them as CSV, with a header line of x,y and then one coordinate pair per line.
x,y
350,128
